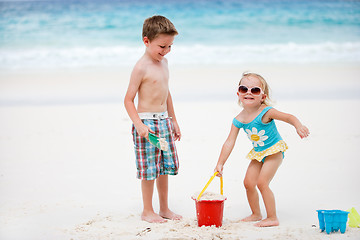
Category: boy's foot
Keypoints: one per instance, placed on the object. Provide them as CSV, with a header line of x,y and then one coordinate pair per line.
x,y
268,222
252,218
152,217
170,215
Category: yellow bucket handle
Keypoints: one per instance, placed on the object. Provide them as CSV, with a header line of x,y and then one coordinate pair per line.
x,y
208,183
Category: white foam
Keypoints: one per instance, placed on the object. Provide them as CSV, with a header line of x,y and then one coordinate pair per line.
x,y
182,54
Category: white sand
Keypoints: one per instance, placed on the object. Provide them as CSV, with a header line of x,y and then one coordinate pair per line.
x,y
208,196
67,166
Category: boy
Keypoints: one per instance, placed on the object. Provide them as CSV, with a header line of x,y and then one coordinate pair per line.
x,y
154,113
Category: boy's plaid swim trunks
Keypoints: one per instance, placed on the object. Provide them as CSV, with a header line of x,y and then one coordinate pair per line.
x,y
152,162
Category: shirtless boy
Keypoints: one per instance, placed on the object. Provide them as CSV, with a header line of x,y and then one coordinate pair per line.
x,y
154,113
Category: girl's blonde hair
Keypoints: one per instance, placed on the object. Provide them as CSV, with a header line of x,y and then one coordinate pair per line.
x,y
264,86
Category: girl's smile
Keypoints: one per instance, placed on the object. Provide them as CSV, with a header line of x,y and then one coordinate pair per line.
x,y
248,91
249,97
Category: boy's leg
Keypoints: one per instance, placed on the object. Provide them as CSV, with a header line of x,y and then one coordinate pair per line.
x,y
148,214
169,165
250,181
267,173
146,156
162,184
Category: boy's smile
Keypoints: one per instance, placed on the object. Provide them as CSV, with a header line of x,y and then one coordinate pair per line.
x,y
159,47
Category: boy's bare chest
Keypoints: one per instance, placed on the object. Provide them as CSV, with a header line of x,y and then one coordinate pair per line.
x,y
156,77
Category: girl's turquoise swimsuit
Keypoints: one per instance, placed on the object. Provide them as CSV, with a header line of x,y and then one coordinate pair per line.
x,y
264,137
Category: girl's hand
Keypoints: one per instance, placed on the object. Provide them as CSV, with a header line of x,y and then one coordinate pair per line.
x,y
302,131
219,169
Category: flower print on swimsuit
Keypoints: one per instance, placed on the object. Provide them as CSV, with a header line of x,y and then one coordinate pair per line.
x,y
257,138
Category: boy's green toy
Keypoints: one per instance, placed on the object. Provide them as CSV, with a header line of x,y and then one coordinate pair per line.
x,y
354,218
160,143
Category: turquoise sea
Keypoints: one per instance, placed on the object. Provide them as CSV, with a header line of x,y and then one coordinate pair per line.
x,y
69,33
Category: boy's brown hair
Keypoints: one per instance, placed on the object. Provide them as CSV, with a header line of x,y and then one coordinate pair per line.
x,y
155,25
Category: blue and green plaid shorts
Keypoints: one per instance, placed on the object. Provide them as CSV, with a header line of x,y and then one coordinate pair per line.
x,y
152,162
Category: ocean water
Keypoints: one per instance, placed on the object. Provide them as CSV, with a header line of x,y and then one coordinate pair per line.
x,y
69,33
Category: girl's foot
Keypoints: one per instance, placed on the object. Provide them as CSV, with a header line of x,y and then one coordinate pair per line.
x,y
267,222
252,218
170,215
152,217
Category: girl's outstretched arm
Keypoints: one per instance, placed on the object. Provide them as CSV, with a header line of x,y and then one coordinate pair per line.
x,y
226,150
301,130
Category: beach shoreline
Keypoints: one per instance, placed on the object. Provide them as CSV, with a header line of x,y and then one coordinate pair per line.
x,y
207,82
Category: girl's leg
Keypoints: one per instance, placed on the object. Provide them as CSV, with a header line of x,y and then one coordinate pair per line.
x,y
267,173
162,187
250,181
148,214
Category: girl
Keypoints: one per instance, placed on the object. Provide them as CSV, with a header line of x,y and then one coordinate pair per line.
x,y
257,120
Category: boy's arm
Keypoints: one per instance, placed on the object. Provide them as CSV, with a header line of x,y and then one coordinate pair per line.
x,y
134,84
226,150
171,112
301,130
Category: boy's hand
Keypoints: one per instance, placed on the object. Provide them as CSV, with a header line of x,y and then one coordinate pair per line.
x,y
143,131
177,132
302,131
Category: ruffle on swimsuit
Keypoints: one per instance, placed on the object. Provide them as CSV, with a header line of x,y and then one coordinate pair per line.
x,y
280,146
